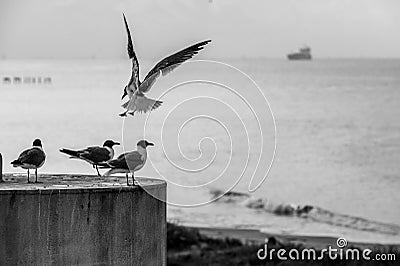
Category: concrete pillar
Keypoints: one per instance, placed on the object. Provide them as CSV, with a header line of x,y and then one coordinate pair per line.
x,y
1,168
81,220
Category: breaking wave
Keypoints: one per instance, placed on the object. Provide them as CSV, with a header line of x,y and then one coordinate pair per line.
x,y
309,212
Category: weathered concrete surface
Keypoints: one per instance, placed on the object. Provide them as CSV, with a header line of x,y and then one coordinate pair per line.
x,y
81,220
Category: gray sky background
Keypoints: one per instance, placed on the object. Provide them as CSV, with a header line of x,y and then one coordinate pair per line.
x,y
87,28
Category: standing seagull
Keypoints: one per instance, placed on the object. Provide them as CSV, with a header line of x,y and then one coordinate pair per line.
x,y
32,158
129,162
136,89
94,155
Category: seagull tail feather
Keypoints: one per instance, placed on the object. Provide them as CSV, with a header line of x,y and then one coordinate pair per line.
x,y
16,163
115,171
103,165
109,172
71,153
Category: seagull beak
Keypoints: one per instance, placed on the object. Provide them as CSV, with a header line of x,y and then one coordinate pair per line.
x,y
123,95
149,144
117,143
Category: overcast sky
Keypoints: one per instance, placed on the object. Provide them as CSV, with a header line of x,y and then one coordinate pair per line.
x,y
252,28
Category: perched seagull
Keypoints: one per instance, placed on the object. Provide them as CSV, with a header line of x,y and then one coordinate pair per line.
x,y
136,89
128,162
32,158
94,155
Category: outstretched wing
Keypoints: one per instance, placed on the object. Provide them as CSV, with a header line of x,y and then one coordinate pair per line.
x,y
170,63
132,55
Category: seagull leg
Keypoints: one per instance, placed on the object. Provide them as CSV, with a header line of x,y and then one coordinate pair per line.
x,y
127,180
36,175
97,169
133,178
28,176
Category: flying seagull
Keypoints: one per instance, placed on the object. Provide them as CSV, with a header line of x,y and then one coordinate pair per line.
x,y
136,89
94,155
128,162
32,158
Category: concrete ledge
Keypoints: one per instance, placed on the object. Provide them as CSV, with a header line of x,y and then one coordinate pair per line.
x,y
81,220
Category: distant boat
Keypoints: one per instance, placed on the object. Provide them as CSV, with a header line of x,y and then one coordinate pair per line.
x,y
303,54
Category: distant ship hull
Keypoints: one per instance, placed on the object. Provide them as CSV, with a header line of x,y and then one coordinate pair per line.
x,y
303,54
298,56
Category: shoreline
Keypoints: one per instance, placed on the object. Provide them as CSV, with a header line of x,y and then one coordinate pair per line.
x,y
257,237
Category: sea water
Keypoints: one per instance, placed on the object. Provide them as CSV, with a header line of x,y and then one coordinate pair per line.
x,y
337,137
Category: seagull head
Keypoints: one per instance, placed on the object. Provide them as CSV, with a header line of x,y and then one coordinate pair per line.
x,y
124,93
110,143
37,143
144,143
